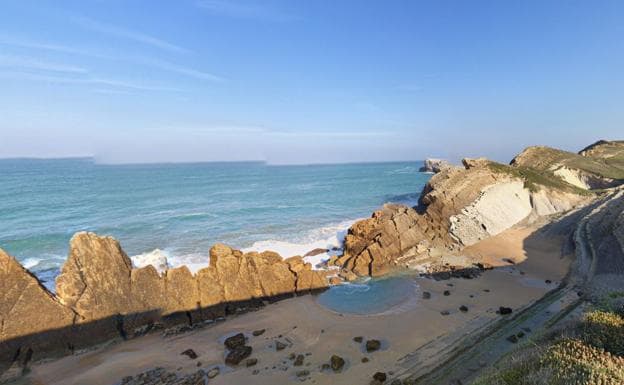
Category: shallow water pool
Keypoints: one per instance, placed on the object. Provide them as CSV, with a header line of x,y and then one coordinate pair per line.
x,y
370,297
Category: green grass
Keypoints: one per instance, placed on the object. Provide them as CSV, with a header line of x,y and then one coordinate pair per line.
x,y
535,179
590,353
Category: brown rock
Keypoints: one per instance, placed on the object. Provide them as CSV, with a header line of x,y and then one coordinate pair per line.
x,y
372,345
32,318
236,355
336,363
235,341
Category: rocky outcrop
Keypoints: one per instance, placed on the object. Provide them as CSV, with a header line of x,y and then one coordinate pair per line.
x,y
458,207
100,296
598,166
434,165
31,319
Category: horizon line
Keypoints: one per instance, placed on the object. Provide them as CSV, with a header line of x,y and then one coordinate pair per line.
x,y
93,159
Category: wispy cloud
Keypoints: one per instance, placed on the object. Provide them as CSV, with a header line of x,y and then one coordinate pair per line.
x,y
22,62
182,70
124,33
244,10
45,46
147,61
92,81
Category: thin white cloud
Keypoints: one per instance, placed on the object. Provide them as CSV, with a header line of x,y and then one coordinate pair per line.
x,y
93,81
147,61
241,10
124,33
23,62
182,70
44,46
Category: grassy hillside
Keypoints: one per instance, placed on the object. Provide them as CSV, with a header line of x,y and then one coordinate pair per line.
x,y
536,178
604,160
586,352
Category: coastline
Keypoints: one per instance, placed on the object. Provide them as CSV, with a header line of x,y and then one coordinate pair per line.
x,y
404,333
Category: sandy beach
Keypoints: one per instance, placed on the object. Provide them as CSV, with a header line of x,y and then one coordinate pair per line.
x,y
310,329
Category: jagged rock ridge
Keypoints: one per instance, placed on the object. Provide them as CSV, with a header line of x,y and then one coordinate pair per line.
x,y
100,296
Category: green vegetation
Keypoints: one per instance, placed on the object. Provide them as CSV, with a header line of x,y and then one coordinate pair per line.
x,y
535,179
603,160
590,353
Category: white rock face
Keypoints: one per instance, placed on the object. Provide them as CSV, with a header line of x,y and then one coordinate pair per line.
x,y
497,208
548,203
156,258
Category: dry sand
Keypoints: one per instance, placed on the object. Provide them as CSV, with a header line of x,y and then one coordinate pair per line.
x,y
319,332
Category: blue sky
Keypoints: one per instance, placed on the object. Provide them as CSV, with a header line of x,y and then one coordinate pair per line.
x,y
307,81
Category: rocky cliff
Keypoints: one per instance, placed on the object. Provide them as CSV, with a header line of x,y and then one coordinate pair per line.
x,y
99,296
458,207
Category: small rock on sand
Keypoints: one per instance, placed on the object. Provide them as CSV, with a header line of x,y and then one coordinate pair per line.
x,y
426,295
463,308
504,310
279,345
190,353
446,293
336,363
234,341
365,360
298,360
358,339
212,373
251,362
257,333
236,355
380,376
445,312
372,345
302,373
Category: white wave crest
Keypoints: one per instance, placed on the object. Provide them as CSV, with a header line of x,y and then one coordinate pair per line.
x,y
329,238
156,258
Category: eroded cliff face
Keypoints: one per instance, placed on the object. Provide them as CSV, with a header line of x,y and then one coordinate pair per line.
x,y
99,295
458,207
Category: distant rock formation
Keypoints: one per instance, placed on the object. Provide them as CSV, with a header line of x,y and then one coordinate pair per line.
x,y
99,296
434,165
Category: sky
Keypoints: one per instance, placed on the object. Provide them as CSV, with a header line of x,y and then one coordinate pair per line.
x,y
307,81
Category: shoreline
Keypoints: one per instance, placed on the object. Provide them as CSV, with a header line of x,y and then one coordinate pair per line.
x,y
402,335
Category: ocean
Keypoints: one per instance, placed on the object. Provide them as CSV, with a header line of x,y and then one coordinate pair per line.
x,y
178,211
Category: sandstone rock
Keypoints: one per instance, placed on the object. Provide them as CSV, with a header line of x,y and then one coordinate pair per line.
x,y
92,291
33,321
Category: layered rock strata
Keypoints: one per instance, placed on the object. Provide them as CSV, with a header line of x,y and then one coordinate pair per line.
x,y
458,207
99,295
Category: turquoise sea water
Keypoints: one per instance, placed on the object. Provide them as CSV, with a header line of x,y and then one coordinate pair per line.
x,y
182,209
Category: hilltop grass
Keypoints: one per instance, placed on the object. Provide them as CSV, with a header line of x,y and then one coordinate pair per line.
x,y
535,179
590,353
606,164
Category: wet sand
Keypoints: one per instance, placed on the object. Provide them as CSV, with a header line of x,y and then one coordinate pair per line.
x,y
318,332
